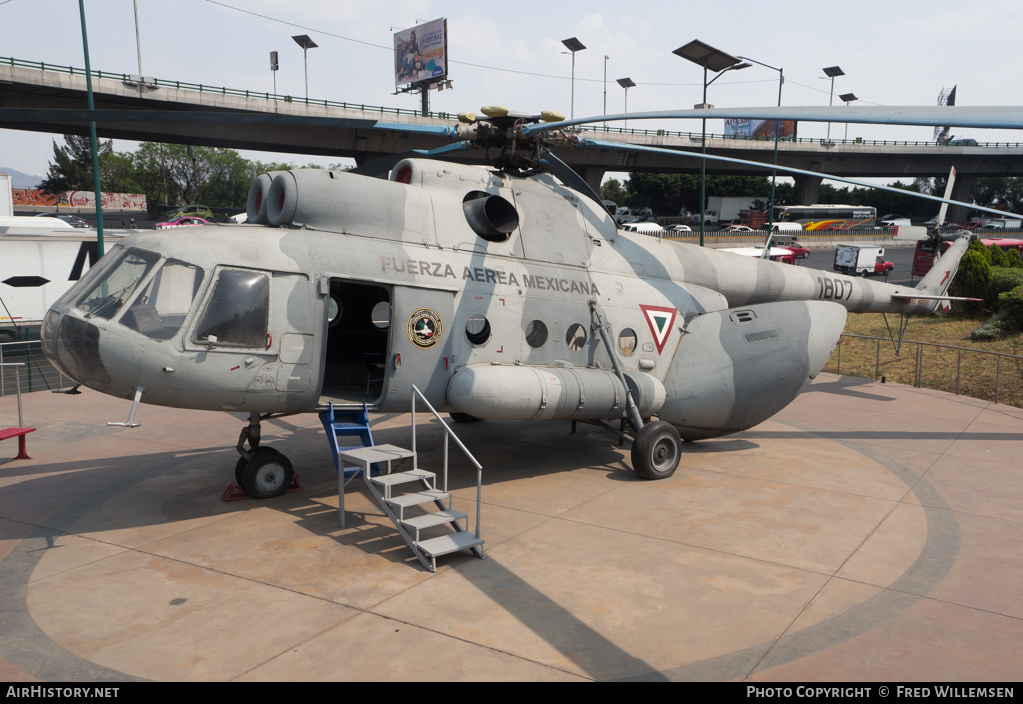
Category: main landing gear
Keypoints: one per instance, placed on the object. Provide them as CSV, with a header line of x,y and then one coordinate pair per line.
x,y
656,450
262,472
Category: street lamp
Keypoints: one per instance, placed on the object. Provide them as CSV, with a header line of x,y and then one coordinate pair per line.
x,y
847,98
573,45
626,83
718,61
606,57
304,41
774,172
831,72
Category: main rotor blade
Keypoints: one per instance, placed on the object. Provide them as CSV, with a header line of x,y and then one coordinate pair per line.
x,y
995,117
789,169
385,164
257,118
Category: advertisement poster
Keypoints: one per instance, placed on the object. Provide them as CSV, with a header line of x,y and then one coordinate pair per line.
x,y
759,129
421,53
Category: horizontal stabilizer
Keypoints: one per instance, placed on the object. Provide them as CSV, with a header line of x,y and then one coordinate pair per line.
x,y
921,297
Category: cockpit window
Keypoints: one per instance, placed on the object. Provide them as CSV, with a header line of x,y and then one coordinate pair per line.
x,y
238,312
108,294
160,309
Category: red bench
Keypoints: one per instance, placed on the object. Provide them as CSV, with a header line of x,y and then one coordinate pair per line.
x,y
19,433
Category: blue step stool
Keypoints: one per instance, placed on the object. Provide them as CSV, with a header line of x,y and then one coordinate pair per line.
x,y
340,425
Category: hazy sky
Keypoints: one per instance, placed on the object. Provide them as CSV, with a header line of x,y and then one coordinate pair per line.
x,y
893,53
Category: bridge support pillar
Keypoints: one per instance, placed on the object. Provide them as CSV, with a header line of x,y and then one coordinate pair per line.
x,y
961,191
807,188
593,175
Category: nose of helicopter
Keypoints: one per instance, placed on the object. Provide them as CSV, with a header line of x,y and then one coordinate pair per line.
x,y
88,353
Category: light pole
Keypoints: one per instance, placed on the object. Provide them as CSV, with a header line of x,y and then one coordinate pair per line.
x,y
774,172
138,46
573,45
831,72
626,83
847,98
304,41
718,61
606,57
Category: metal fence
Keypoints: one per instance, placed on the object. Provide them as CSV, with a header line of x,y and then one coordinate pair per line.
x,y
990,376
319,102
37,374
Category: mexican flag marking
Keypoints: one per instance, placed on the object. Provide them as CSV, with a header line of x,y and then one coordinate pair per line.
x,y
660,320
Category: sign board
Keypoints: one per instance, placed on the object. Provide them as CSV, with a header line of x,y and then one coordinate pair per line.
x,y
759,129
421,53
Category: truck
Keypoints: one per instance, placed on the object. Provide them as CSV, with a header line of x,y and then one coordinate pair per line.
x,y
731,207
861,260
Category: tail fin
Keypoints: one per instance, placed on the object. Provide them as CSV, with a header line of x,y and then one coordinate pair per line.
x,y
932,288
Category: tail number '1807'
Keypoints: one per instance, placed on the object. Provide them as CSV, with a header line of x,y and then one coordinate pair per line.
x,y
833,289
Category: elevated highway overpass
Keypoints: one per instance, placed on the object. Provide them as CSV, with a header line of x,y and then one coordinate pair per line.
x,y
184,113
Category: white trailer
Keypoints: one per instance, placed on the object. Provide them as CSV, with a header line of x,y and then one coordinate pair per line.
x,y
36,268
6,196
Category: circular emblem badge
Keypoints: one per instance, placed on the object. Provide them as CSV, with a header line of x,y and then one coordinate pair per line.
x,y
425,328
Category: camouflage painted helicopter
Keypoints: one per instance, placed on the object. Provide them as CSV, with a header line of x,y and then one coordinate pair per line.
x,y
503,292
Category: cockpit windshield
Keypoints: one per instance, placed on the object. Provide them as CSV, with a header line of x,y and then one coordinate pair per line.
x,y
160,309
160,299
108,294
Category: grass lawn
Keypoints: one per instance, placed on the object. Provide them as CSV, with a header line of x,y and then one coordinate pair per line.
x,y
933,367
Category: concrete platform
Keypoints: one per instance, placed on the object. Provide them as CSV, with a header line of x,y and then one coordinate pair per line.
x,y
868,532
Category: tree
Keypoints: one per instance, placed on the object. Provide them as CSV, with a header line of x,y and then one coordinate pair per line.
x,y
668,194
612,190
71,168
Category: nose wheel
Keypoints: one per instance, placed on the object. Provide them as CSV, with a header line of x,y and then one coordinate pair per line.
x,y
656,450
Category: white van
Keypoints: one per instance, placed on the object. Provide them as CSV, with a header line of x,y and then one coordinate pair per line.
x,y
792,229
644,228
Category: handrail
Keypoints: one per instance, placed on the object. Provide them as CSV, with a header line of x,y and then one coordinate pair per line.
x,y
448,432
203,88
918,362
17,381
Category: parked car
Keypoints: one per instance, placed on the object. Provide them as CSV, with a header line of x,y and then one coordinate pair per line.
x,y
72,220
199,211
182,222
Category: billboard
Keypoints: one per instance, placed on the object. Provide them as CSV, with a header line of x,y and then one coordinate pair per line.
x,y
421,53
79,199
762,129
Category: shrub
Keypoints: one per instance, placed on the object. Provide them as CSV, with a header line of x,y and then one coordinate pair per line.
x,y
1011,305
1013,259
1002,279
972,280
997,255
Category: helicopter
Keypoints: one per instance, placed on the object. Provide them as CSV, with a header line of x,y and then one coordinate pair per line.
x,y
503,292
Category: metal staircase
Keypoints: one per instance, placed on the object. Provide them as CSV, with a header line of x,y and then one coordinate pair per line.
x,y
417,507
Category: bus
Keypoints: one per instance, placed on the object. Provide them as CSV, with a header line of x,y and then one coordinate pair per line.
x,y
923,258
827,216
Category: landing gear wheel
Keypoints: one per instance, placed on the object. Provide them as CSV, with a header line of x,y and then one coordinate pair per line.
x,y
656,451
267,474
239,470
464,418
